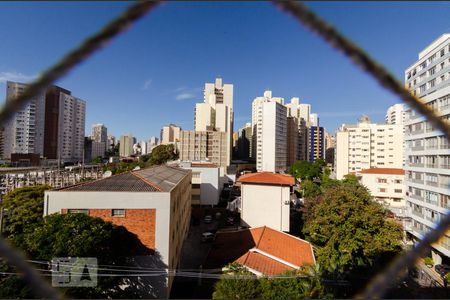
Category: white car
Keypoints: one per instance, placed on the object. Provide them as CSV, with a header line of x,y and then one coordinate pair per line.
x,y
208,219
207,236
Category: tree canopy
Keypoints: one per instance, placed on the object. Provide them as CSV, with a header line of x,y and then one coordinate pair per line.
x,y
303,169
350,230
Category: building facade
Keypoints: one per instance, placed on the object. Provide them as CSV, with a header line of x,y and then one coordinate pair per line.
x,y
204,146
244,143
99,136
269,122
316,147
153,203
300,112
170,134
395,114
427,162
216,111
24,132
265,200
126,145
367,145
387,187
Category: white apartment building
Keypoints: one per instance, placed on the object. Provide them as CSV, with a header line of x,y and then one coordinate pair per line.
x,y
126,145
427,162
99,136
387,187
205,182
170,134
367,145
216,111
395,114
24,132
72,114
314,119
265,200
301,112
269,122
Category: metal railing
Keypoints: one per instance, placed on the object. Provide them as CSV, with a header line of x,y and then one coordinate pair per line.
x,y
378,286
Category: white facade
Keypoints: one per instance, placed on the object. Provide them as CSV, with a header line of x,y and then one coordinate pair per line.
x,y
387,188
314,119
205,183
265,205
24,132
216,111
170,134
396,114
427,161
367,145
126,145
269,122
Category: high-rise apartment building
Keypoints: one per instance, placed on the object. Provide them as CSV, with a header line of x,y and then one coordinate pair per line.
x,y
111,142
330,145
204,146
301,113
269,122
316,147
216,111
170,134
99,136
367,145
427,162
395,114
244,143
64,125
292,152
152,143
51,125
126,145
24,133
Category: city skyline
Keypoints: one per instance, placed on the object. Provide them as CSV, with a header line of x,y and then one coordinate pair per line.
x,y
254,58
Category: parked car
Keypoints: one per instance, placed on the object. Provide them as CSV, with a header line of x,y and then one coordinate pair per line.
x,y
442,269
207,237
208,219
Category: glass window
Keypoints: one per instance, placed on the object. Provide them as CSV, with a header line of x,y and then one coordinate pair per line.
x,y
118,212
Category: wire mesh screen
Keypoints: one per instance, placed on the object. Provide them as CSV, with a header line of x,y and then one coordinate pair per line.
x,y
378,285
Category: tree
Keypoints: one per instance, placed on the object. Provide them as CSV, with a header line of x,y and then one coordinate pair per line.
x,y
24,208
303,169
351,231
245,286
309,189
76,235
162,153
97,160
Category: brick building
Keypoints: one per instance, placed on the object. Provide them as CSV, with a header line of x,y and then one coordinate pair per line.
x,y
153,203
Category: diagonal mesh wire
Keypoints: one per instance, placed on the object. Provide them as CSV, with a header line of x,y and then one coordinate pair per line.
x,y
301,12
379,285
61,68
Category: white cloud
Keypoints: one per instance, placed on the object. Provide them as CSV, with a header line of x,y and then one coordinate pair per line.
x,y
15,76
147,84
185,96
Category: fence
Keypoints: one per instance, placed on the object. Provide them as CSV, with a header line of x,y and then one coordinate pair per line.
x,y
378,286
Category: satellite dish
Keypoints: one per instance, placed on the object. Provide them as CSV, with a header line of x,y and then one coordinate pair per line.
x,y
136,168
107,174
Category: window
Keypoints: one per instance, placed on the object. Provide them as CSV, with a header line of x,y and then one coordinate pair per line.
x,y
432,83
432,71
382,190
397,190
382,180
398,181
118,212
78,211
442,52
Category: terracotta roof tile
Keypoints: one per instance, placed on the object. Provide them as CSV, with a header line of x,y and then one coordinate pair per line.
x,y
262,249
390,171
267,178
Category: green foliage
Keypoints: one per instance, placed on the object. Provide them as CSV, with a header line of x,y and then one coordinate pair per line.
x,y
305,283
242,287
78,235
162,153
303,169
97,160
24,208
351,179
447,278
350,230
310,189
428,261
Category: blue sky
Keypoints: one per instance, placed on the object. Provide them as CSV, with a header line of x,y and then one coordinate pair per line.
x,y
154,73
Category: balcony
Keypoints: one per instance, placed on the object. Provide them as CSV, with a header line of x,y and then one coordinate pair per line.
x,y
417,197
445,166
444,146
432,183
417,213
416,165
418,148
414,132
435,165
415,180
432,147
444,184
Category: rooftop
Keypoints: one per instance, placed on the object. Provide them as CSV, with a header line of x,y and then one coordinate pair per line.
x,y
267,178
261,249
154,179
389,171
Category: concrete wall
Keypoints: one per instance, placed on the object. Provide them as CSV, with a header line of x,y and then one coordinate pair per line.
x,y
265,205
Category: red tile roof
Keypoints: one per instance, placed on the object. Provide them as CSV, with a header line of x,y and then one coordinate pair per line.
x,y
267,178
390,171
262,249
206,165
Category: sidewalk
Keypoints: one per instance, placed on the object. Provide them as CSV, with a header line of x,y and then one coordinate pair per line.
x,y
431,273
